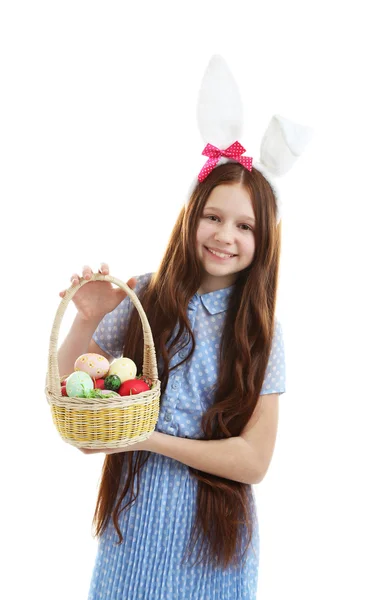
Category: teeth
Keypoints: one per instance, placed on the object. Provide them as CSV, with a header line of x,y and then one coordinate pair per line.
x,y
219,254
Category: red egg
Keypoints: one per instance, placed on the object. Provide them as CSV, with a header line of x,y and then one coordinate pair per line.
x,y
64,390
99,384
131,387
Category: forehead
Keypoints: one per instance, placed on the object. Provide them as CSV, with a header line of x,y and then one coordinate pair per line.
x,y
231,199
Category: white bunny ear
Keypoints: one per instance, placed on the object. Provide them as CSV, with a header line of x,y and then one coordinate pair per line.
x,y
219,106
283,142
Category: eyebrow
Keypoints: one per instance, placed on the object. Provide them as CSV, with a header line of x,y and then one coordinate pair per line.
x,y
245,217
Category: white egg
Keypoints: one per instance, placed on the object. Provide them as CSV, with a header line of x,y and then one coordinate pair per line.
x,y
124,368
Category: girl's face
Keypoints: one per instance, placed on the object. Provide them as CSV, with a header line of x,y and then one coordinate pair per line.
x,y
226,226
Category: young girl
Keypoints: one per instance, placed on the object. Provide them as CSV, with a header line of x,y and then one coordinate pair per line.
x,y
176,515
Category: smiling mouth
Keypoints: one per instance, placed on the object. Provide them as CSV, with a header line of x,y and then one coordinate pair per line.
x,y
221,256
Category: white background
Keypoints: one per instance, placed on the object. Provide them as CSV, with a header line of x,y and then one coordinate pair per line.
x,y
99,145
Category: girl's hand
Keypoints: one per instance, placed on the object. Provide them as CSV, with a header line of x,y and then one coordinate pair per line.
x,y
144,445
97,298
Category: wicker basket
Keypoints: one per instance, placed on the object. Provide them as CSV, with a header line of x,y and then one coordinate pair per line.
x,y
108,422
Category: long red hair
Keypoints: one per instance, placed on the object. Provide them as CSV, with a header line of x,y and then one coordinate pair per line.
x,y
223,523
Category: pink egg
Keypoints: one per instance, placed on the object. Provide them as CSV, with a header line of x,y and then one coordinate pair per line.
x,y
95,365
108,392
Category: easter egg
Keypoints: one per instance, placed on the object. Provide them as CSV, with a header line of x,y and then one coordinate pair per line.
x,y
78,383
124,368
112,382
99,384
133,386
64,390
95,365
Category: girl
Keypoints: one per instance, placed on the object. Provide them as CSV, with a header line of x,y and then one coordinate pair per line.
x,y
175,514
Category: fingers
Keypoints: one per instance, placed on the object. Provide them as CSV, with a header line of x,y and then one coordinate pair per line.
x,y
74,281
104,269
87,274
132,282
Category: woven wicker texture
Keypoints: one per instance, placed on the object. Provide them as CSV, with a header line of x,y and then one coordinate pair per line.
x,y
103,422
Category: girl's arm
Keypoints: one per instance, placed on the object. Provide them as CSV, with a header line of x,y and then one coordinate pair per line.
x,y
245,458
78,341
232,458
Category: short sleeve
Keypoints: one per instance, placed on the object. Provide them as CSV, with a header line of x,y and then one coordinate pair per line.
x,y
110,332
275,377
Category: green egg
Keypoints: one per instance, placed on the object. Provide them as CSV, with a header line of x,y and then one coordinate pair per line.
x,y
112,382
78,383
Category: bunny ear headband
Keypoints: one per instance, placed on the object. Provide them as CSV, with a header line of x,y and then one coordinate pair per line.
x,y
220,121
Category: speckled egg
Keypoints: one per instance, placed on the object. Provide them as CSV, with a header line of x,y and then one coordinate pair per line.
x,y
95,365
124,368
78,383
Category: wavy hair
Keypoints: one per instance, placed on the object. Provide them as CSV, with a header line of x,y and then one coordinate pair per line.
x,y
224,518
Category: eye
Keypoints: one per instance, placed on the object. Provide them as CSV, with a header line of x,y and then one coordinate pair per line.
x,y
248,228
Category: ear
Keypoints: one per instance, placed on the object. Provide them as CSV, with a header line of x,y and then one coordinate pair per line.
x,y
283,142
219,106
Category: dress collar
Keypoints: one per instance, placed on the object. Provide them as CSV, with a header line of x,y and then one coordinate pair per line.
x,y
214,302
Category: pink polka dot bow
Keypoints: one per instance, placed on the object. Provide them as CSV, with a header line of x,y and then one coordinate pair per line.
x,y
234,152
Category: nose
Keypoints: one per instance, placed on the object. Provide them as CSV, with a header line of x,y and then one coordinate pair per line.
x,y
225,234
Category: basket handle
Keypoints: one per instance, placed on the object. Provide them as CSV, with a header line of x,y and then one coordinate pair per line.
x,y
149,368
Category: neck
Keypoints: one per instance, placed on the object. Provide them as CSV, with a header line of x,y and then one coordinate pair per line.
x,y
211,283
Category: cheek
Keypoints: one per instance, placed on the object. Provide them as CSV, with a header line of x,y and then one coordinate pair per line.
x,y
248,244
203,231
251,245
251,242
